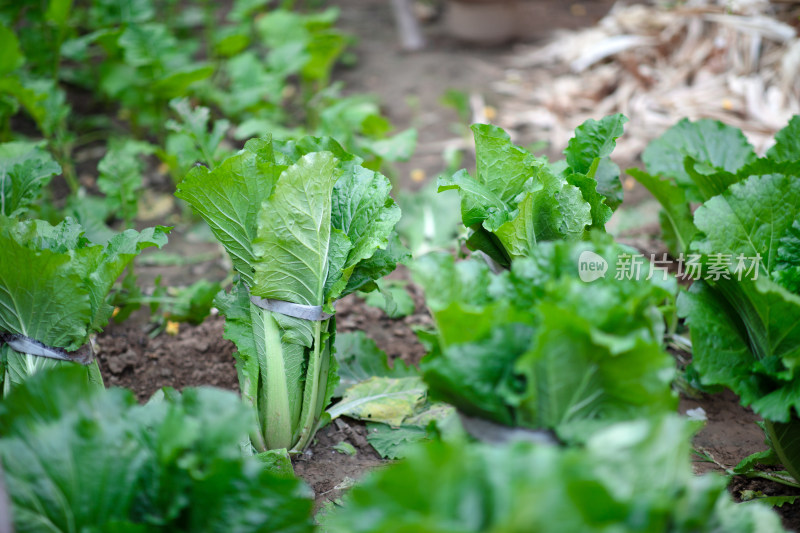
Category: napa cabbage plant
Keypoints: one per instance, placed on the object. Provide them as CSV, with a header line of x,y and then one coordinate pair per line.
x,y
81,458
54,287
743,310
516,200
304,224
630,477
537,347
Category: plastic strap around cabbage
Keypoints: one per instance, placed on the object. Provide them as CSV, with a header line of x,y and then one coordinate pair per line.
x,y
22,344
313,313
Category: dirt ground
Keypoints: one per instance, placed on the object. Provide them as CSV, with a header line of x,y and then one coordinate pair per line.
x,y
410,86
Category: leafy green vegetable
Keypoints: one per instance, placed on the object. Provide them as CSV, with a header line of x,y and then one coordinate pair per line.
x,y
24,169
54,284
191,141
630,477
120,177
304,222
537,347
81,459
743,312
517,201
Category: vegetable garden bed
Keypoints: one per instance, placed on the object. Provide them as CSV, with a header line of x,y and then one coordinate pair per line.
x,y
524,370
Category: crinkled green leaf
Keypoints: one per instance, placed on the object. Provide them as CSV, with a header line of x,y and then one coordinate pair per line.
x,y
229,200
588,153
787,264
593,140
294,232
501,167
54,287
24,169
120,178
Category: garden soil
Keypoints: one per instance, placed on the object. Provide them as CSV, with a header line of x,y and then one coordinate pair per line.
x,y
410,86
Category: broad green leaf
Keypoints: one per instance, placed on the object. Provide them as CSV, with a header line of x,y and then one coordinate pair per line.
x,y
749,218
54,285
363,210
382,262
229,200
576,385
787,142
478,202
381,399
11,56
391,443
588,153
557,210
294,229
745,337
708,142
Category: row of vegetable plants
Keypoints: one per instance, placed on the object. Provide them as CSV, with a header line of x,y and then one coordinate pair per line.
x,y
160,87
565,380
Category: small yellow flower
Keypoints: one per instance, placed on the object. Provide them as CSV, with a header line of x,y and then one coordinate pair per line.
x,y
417,175
115,312
727,104
172,327
490,112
